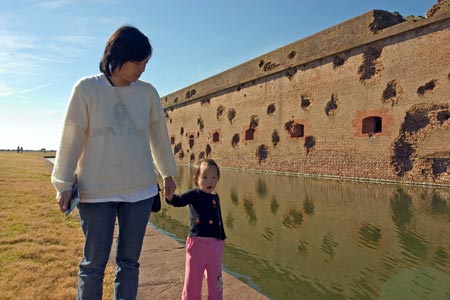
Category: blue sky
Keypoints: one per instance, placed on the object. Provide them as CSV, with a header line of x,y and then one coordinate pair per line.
x,y
46,46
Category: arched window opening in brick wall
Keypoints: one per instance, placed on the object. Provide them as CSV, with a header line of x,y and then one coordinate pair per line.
x,y
191,141
250,134
371,125
216,137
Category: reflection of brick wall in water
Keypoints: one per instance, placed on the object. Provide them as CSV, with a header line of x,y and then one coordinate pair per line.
x,y
367,98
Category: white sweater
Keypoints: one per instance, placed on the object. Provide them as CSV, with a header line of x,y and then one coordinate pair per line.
x,y
111,138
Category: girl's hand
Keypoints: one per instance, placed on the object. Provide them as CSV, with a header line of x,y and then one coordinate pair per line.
x,y
169,187
64,199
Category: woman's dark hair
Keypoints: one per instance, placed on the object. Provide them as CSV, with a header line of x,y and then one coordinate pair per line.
x,y
126,44
209,162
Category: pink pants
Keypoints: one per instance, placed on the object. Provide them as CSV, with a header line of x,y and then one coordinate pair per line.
x,y
203,257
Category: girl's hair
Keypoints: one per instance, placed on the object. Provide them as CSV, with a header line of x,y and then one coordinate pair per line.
x,y
209,162
126,44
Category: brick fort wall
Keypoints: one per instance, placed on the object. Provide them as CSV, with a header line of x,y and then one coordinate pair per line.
x,y
368,98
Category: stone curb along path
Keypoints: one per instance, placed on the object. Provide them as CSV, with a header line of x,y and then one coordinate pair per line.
x,y
162,272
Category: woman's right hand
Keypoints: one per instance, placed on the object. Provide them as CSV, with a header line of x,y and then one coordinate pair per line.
x,y
64,199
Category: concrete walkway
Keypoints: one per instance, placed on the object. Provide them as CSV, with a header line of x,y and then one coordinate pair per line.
x,y
162,272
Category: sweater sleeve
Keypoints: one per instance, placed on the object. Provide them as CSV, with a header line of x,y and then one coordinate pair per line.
x,y
159,139
71,143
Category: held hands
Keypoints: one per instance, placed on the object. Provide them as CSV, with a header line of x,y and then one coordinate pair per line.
x,y
63,200
169,187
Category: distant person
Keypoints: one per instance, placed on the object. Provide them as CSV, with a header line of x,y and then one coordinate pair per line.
x,y
114,130
205,241
18,149
21,150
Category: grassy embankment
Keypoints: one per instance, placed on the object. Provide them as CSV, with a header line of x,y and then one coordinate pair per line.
x,y
39,247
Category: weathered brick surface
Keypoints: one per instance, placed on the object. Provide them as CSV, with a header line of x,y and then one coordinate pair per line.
x,y
304,105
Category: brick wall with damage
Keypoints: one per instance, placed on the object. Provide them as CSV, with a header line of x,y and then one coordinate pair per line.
x,y
368,98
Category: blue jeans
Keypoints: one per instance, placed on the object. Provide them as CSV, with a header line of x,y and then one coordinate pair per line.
x,y
98,221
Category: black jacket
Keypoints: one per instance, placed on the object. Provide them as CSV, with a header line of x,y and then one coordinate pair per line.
x,y
206,217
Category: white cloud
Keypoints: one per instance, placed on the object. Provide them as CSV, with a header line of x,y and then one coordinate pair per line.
x,y
6,90
50,112
33,88
26,55
82,40
11,42
71,45
219,38
14,60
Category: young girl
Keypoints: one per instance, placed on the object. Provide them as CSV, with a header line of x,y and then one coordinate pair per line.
x,y
205,242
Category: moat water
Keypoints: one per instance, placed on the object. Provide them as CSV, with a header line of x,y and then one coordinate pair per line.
x,y
307,238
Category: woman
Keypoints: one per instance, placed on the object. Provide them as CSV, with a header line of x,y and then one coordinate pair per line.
x,y
114,133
